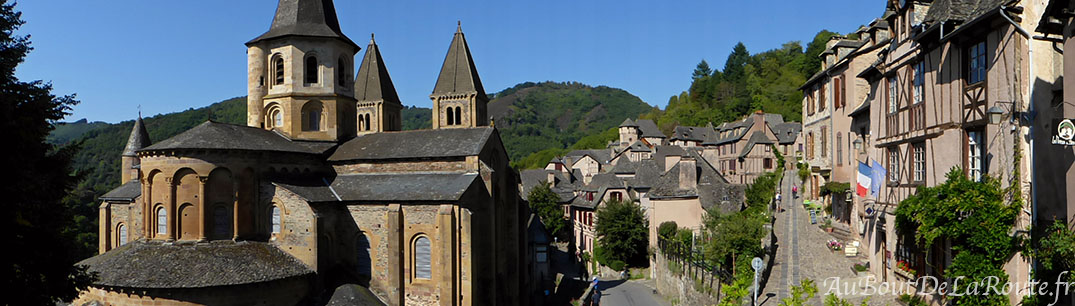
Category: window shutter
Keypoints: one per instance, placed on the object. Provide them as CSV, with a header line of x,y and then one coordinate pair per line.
x,y
422,259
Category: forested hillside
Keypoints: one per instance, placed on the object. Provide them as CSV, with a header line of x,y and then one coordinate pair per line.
x,y
767,81
536,116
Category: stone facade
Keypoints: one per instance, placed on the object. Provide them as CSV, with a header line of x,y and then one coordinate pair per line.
x,y
393,212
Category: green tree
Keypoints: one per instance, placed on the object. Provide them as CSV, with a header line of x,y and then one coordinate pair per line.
x,y
800,294
736,64
545,204
667,229
702,70
42,269
974,219
622,230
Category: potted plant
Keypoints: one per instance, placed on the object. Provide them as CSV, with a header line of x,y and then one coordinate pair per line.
x,y
861,269
828,225
834,245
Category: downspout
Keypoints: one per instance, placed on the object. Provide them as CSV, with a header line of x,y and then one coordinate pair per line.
x,y
1030,109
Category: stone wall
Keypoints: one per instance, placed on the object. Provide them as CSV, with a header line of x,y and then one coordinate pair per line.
x,y
291,291
681,286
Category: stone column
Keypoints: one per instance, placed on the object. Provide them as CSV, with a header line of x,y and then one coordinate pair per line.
x,y
395,254
235,208
446,239
202,180
171,211
147,206
104,237
466,259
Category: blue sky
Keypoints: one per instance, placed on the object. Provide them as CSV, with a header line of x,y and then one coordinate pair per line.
x,y
169,56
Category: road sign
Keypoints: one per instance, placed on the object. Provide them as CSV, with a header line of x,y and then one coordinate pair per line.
x,y
756,263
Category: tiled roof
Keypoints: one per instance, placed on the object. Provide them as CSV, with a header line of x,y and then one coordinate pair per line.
x,y
141,264
313,18
458,74
756,138
959,10
649,128
138,139
126,192
411,187
414,144
223,136
628,123
372,82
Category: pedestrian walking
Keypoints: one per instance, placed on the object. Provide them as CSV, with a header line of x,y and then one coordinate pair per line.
x,y
778,209
794,191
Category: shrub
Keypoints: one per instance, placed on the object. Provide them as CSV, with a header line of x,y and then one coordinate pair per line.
x,y
667,229
617,265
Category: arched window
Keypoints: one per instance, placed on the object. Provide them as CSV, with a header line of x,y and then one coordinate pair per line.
x,y
122,234
275,222
451,116
459,116
221,221
311,116
361,122
277,117
422,258
278,70
162,221
341,72
311,70
367,122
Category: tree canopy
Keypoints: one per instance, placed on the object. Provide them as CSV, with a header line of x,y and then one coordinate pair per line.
x,y
545,204
41,269
622,230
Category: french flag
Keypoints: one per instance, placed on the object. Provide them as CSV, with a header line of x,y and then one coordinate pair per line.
x,y
863,179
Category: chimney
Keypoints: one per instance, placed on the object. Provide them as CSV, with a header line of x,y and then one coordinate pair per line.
x,y
670,161
688,173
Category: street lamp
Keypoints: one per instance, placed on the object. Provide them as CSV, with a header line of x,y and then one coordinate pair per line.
x,y
858,144
995,114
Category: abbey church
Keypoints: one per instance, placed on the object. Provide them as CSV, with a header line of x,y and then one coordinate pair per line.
x,y
320,198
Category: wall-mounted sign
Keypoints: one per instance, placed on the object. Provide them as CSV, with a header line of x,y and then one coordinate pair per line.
x,y
1064,132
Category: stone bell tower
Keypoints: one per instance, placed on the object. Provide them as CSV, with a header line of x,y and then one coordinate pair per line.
x,y
378,104
459,101
299,74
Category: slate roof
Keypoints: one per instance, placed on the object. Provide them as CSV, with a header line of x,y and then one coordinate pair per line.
x,y
960,10
458,75
712,189
353,295
646,174
756,138
564,186
649,128
627,123
414,144
787,132
408,187
126,192
602,156
138,139
638,146
141,264
692,133
373,82
313,18
223,136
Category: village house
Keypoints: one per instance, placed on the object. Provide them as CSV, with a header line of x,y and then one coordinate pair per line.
x,y
320,191
744,149
961,84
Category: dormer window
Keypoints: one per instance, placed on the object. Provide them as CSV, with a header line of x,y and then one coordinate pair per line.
x,y
311,70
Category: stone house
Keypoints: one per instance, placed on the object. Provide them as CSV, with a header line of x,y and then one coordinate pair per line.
x,y
743,150
949,66
320,190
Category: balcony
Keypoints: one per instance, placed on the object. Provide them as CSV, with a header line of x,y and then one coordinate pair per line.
x,y
918,116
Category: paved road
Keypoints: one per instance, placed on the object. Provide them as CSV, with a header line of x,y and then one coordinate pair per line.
x,y
618,292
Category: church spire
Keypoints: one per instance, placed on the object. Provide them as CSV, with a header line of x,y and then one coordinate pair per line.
x,y
316,18
458,75
139,138
373,82
129,160
379,108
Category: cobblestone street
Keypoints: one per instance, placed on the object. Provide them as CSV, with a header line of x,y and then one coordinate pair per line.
x,y
802,254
